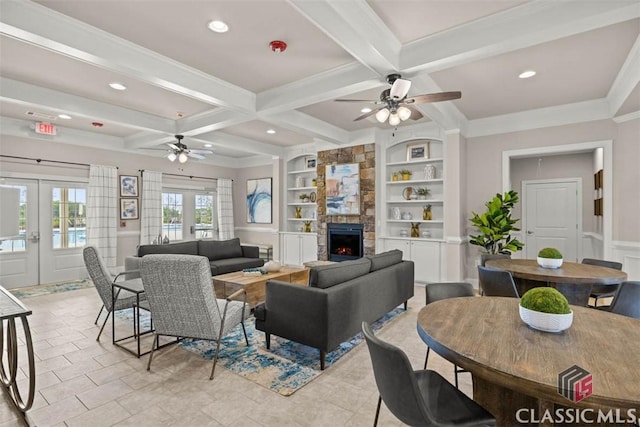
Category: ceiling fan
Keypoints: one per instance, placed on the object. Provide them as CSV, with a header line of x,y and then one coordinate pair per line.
x,y
395,105
181,152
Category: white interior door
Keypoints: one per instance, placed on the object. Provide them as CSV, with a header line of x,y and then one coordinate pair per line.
x,y
552,213
19,255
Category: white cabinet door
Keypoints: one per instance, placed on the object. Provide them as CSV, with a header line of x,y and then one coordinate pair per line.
x,y
402,245
309,247
426,256
291,249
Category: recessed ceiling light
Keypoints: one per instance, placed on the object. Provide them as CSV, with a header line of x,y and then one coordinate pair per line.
x,y
527,74
218,26
365,110
271,131
208,145
64,116
117,86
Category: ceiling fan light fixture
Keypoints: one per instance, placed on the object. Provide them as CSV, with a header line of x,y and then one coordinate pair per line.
x,y
172,157
182,158
404,113
394,119
382,115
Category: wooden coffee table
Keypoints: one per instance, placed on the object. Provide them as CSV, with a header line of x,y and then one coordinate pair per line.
x,y
254,286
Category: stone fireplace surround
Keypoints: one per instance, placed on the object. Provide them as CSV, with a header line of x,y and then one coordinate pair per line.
x,y
364,155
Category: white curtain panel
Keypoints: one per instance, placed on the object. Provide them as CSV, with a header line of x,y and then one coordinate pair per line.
x,y
102,212
225,209
151,207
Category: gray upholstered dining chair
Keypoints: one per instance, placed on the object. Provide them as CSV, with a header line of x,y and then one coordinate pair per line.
x,y
602,291
103,280
420,397
182,303
626,301
495,282
437,291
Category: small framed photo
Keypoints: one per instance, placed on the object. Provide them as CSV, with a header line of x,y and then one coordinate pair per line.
x,y
310,162
128,208
128,186
417,151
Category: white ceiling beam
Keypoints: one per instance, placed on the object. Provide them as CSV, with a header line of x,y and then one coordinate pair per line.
x,y
227,141
626,80
212,120
527,25
147,139
355,27
35,96
36,24
305,124
321,87
560,115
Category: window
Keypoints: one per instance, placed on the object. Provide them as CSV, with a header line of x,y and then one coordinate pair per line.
x,y
172,216
19,244
69,217
204,216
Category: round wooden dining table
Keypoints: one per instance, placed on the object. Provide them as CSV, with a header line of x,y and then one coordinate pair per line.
x,y
516,368
573,279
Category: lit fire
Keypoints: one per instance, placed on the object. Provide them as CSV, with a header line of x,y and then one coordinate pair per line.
x,y
344,251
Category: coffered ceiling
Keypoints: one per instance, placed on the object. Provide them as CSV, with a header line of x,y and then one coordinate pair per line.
x,y
228,89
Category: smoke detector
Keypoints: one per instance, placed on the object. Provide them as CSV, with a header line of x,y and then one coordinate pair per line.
x,y
278,46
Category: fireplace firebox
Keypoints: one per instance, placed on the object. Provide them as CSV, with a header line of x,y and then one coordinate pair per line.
x,y
345,241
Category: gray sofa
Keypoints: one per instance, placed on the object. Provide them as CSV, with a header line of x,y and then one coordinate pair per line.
x,y
225,256
339,297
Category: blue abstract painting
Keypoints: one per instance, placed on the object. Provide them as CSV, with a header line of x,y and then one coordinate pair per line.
x,y
259,201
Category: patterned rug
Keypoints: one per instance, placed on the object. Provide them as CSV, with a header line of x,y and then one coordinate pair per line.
x,y
286,367
51,288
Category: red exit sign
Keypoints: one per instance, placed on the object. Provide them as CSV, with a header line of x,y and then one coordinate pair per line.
x,y
45,128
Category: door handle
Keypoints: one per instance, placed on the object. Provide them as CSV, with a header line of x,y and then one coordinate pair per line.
x,y
529,232
35,236
193,229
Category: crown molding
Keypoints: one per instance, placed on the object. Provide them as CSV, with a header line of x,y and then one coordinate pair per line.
x,y
627,117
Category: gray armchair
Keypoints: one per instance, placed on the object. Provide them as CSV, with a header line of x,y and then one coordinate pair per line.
x,y
495,282
103,280
182,303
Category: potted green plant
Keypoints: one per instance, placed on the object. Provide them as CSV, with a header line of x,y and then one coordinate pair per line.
x,y
394,176
422,193
545,309
495,225
406,174
549,258
304,197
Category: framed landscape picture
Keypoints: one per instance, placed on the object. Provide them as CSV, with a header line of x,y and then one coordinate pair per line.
x,y
128,208
259,209
128,186
343,189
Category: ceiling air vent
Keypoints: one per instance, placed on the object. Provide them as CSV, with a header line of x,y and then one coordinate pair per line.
x,y
41,116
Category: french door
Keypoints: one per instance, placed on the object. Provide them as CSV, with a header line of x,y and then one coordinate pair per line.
x,y
189,214
48,245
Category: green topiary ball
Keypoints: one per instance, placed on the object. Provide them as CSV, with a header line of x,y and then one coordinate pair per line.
x,y
545,300
552,253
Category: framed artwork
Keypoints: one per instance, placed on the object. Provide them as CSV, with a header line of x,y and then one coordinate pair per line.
x,y
259,201
310,162
417,151
128,208
128,186
342,184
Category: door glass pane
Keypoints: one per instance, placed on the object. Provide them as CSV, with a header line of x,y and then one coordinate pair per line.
x,y
172,216
19,243
204,216
69,217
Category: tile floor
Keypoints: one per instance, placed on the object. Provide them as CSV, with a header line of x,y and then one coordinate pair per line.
x,y
81,382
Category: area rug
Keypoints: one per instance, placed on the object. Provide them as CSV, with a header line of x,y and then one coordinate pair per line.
x,y
51,288
284,369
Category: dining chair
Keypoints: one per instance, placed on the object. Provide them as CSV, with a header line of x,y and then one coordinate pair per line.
x,y
182,302
602,291
437,291
495,282
103,281
420,397
626,301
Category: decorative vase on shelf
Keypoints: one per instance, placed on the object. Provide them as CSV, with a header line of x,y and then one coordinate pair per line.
x,y
429,172
407,215
298,212
426,213
396,213
299,182
165,240
404,233
415,229
307,226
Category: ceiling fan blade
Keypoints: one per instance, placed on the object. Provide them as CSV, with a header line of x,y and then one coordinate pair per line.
x,y
201,151
400,88
434,97
369,114
174,146
356,100
195,156
415,113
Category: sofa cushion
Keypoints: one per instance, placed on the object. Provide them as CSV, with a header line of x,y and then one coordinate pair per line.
x,y
186,248
329,275
229,265
385,259
220,249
